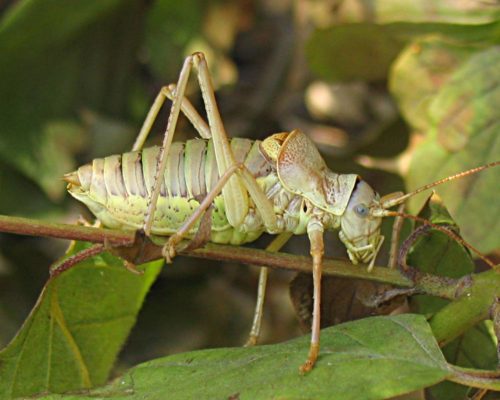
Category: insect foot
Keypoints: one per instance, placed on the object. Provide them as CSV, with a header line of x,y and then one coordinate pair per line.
x,y
168,251
311,359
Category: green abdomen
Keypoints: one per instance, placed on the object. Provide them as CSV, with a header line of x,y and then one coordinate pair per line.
x,y
116,188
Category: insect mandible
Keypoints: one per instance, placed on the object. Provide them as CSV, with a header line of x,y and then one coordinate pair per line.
x,y
280,185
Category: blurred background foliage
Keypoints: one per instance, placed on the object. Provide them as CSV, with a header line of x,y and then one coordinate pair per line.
x,y
400,92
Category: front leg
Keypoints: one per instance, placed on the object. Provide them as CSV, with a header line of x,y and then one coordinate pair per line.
x,y
315,232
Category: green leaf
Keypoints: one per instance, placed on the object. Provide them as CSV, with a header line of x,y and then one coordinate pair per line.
x,y
57,57
421,69
365,50
472,307
76,329
474,349
465,134
354,51
466,105
373,358
437,253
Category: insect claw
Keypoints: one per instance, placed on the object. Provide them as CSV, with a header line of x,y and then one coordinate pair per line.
x,y
132,268
311,359
172,88
82,221
252,341
168,251
306,367
370,266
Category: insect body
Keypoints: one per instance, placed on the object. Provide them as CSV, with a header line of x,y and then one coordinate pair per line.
x,y
116,190
280,185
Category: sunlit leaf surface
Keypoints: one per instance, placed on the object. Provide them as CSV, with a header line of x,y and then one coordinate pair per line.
x,y
465,134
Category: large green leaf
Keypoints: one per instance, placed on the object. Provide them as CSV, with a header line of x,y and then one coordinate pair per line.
x,y
465,134
76,329
420,71
57,57
373,358
475,349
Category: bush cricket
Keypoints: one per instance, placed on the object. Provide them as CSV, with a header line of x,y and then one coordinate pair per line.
x,y
280,185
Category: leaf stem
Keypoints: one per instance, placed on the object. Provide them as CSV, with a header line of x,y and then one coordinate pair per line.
x,y
470,307
475,378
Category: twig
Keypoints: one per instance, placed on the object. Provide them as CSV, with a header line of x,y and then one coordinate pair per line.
x,y
122,243
32,227
126,244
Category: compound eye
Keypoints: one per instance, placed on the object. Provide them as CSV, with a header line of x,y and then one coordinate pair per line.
x,y
361,210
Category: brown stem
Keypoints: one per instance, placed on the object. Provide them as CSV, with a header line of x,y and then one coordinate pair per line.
x,y
32,227
122,243
126,244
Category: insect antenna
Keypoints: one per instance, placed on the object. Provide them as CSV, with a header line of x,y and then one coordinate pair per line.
x,y
395,201
445,230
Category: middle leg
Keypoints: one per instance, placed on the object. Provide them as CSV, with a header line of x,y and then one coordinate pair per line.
x,y
274,246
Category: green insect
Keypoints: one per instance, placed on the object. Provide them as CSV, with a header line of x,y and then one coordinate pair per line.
x,y
280,185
